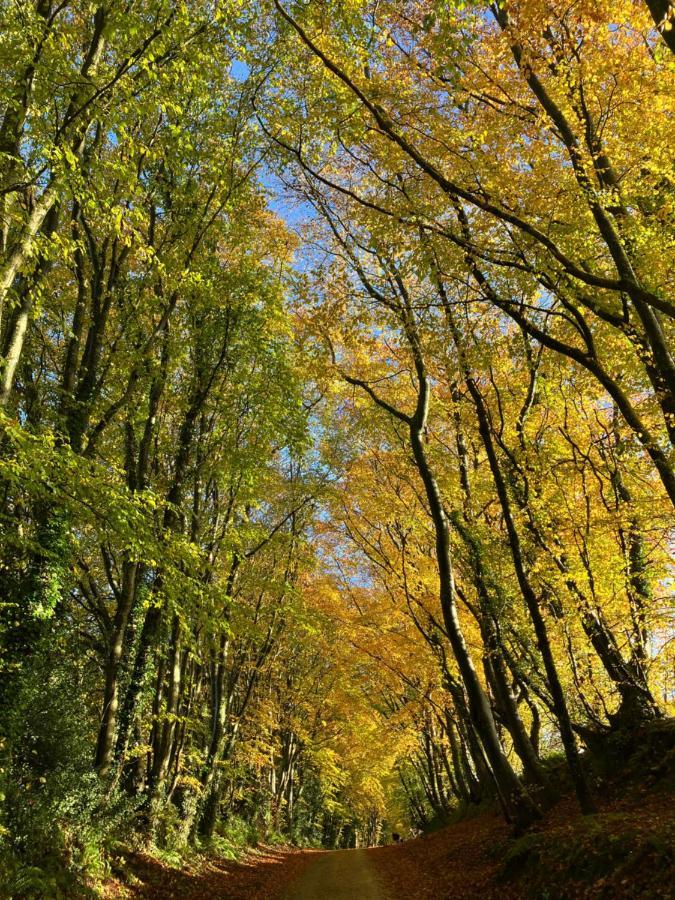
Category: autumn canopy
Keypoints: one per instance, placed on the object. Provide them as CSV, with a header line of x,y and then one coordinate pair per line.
x,y
337,416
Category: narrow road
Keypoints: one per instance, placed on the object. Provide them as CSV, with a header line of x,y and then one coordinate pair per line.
x,y
338,875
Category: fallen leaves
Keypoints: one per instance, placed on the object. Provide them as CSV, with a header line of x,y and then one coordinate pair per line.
x,y
263,874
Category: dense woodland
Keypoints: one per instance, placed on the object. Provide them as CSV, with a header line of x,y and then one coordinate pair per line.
x,y
337,421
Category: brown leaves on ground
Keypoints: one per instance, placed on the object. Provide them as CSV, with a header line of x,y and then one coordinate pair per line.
x,y
454,862
626,851
263,874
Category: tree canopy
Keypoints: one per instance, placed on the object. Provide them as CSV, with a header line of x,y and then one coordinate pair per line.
x,y
337,414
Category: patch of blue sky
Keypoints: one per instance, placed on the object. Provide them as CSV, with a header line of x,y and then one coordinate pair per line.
x,y
239,70
289,208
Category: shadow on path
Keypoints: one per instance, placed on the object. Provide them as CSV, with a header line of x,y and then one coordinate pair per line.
x,y
262,875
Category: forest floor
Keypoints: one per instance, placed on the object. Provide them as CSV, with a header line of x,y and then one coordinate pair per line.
x,y
627,850
262,874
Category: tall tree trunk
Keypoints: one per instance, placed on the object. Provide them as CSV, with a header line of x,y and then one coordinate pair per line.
x,y
166,724
106,733
531,601
519,806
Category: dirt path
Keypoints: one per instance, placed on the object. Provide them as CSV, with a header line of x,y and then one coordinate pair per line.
x,y
338,875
